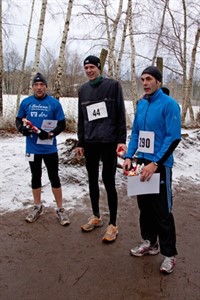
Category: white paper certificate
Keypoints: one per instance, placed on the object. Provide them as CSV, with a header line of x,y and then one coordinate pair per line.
x,y
47,125
137,187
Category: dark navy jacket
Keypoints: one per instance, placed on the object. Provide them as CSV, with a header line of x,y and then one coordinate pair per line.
x,y
106,130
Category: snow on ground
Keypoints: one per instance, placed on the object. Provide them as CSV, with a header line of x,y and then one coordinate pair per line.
x,y
15,174
70,107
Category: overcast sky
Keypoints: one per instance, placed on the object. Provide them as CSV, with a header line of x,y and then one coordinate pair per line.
x,y
17,20
19,17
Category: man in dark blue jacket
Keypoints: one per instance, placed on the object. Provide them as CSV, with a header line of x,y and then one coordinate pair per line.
x,y
101,130
155,134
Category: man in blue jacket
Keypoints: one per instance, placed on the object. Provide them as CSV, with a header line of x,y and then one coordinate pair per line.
x,y
46,114
155,134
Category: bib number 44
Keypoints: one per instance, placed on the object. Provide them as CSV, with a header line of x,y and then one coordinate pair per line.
x,y
97,111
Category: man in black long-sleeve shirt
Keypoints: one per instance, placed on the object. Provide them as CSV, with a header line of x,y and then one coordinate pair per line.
x,y
101,130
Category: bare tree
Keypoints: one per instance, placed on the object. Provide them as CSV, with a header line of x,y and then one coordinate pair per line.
x,y
39,41
112,38
179,46
12,61
132,59
166,2
25,56
188,83
1,63
123,39
57,87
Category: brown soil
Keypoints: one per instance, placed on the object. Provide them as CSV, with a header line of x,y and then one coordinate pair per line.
x,y
44,260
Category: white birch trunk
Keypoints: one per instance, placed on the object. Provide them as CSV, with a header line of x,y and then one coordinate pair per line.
x,y
57,86
184,63
39,42
105,4
187,104
25,56
133,71
160,33
111,56
1,63
121,51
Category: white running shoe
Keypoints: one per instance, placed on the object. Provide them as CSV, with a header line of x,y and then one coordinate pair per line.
x,y
145,248
168,265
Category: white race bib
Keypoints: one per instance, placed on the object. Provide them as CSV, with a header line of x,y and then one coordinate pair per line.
x,y
97,111
146,141
29,157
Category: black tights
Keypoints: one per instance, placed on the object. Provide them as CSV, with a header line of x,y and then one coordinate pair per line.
x,y
107,153
51,163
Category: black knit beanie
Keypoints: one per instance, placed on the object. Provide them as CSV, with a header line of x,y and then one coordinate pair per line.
x,y
39,78
94,60
153,71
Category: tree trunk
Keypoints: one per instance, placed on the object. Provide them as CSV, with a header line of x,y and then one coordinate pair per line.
x,y
39,42
121,51
132,43
1,63
184,65
160,33
57,86
103,56
187,103
24,58
111,45
105,4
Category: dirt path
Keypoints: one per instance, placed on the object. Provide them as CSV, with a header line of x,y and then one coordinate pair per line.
x,y
44,260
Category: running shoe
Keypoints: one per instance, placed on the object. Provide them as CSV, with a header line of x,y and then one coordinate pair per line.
x,y
34,213
111,234
62,216
92,223
145,248
168,265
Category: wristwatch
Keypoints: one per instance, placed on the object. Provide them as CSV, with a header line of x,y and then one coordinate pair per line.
x,y
155,163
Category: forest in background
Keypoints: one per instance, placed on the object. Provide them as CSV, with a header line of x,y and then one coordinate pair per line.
x,y
134,34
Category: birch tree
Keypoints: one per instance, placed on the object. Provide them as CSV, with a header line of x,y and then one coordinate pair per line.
x,y
38,42
25,56
123,39
179,46
1,63
166,2
57,87
188,83
132,58
111,35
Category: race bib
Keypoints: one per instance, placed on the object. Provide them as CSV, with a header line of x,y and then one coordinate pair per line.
x,y
146,141
97,111
29,157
